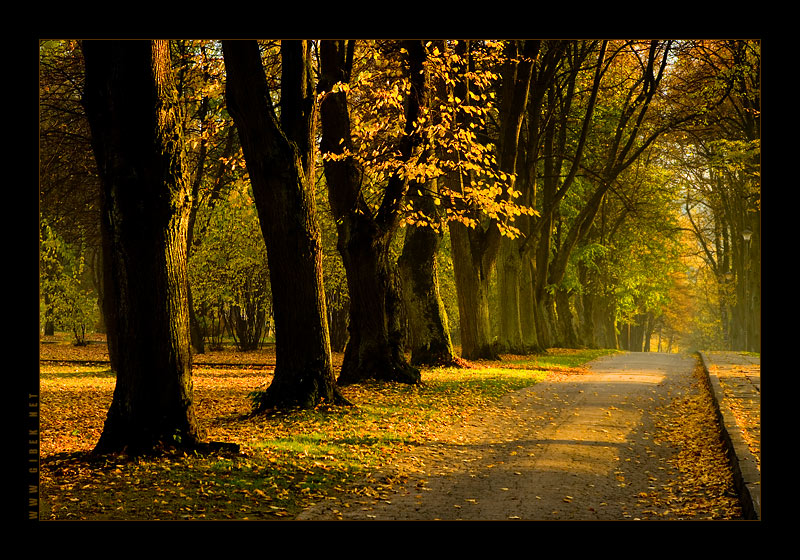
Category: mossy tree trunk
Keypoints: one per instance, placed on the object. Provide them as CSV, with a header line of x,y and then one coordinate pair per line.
x,y
429,330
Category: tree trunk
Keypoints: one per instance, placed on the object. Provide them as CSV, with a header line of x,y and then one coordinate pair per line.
x,y
138,144
472,275
568,331
374,349
587,330
430,334
278,157
542,317
601,313
527,308
509,270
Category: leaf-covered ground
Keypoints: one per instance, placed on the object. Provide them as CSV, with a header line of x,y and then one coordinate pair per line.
x,y
703,486
291,460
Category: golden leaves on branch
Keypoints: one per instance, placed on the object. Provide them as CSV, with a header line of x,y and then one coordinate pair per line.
x,y
449,128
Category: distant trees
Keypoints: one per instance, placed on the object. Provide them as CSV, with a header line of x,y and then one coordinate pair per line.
x,y
720,158
69,195
67,299
229,272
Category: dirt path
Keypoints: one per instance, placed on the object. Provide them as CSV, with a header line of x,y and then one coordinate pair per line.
x,y
575,448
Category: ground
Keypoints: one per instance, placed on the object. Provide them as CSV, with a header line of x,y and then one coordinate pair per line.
x,y
632,437
570,448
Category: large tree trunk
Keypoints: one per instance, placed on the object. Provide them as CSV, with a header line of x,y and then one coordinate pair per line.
x,y
600,312
374,349
138,144
279,162
429,331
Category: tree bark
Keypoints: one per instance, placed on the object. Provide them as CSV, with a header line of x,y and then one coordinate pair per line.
x,y
374,349
472,279
278,157
567,322
429,331
509,271
475,251
138,144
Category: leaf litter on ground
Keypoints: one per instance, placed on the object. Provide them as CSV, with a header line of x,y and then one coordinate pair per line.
x,y
289,460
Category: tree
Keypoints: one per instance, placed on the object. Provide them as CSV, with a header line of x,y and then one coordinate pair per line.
x,y
280,161
721,159
209,142
365,231
429,331
132,107
69,195
229,271
67,302
632,117
557,87
476,241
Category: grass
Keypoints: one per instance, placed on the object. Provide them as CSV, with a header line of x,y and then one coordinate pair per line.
x,y
289,459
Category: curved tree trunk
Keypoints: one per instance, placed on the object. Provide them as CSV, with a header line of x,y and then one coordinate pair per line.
x,y
138,145
280,164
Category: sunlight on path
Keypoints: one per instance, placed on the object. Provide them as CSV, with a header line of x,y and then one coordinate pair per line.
x,y
578,448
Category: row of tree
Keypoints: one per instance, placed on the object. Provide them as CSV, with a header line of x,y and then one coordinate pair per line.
x,y
557,170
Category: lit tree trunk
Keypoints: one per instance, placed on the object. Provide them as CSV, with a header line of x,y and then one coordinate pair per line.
x,y
509,271
472,269
280,164
374,349
429,331
527,306
138,143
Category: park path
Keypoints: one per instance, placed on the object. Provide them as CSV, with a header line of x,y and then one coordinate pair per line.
x,y
575,448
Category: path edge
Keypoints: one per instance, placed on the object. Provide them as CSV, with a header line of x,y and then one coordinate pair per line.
x,y
747,477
